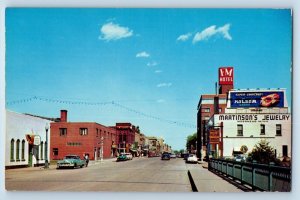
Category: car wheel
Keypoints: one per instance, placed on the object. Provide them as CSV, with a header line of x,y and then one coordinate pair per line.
x,y
75,165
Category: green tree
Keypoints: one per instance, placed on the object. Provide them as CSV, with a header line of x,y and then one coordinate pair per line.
x,y
181,151
244,149
263,153
191,141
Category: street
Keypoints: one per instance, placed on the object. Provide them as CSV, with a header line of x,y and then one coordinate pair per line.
x,y
137,175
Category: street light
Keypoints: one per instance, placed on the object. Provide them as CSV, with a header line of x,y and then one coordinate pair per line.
x,y
46,147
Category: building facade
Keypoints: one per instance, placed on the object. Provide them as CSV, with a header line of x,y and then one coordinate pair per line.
x,y
81,138
125,136
26,140
252,116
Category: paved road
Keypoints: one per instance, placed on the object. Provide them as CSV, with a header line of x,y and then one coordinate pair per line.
x,y
139,174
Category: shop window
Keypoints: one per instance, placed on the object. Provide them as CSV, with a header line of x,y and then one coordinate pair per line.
x,y
278,129
12,150
63,132
23,150
83,131
18,150
262,129
55,151
239,130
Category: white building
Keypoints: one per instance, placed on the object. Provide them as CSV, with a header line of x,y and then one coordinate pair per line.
x,y
246,122
25,140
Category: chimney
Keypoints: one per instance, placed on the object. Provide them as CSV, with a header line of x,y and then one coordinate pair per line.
x,y
63,115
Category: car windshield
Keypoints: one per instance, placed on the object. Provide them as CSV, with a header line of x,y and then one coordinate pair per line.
x,y
71,157
191,155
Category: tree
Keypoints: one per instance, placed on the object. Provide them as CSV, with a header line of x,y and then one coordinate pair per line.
x,y
263,153
244,149
191,141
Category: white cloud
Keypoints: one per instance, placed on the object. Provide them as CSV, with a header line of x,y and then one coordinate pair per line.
x,y
157,71
164,85
151,64
184,37
213,31
143,54
160,101
111,31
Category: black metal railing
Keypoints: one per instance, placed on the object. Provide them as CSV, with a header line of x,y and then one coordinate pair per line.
x,y
258,176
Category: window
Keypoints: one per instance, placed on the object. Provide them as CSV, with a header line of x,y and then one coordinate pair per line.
x,y
206,118
284,150
278,129
240,130
97,132
207,110
55,151
83,131
12,150
23,150
63,132
42,146
18,150
262,129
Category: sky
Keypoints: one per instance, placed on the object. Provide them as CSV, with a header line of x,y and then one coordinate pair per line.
x,y
144,66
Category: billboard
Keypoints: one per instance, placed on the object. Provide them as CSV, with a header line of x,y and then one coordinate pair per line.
x,y
226,76
257,99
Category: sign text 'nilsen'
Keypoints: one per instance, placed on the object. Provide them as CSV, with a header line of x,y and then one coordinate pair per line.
x,y
253,117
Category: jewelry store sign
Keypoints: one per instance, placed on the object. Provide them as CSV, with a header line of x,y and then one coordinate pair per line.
x,y
254,117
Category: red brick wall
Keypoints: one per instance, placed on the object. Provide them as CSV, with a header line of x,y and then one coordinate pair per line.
x,y
85,144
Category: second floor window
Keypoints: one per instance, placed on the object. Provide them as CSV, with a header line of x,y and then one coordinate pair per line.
x,y
278,129
206,110
83,131
240,130
62,132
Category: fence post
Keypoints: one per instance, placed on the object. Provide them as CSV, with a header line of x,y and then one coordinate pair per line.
x,y
270,176
253,174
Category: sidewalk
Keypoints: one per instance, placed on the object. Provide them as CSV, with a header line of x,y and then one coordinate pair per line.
x,y
206,181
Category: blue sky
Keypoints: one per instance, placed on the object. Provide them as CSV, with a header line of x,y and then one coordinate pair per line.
x,y
154,62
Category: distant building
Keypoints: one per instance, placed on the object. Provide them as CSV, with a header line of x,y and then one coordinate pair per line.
x,y
125,132
25,141
82,138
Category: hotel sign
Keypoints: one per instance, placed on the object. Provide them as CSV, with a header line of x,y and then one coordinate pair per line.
x,y
257,99
226,76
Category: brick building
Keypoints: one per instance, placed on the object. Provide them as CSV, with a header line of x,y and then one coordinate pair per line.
x,y
81,138
125,136
210,104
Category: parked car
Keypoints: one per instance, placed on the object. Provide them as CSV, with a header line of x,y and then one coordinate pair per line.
x,y
122,157
172,155
70,161
240,158
185,156
129,156
192,159
165,156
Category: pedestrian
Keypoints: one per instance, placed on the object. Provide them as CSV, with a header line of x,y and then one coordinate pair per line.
x,y
86,157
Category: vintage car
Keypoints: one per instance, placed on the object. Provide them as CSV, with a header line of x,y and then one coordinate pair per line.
x,y
122,157
129,156
165,156
192,158
71,161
